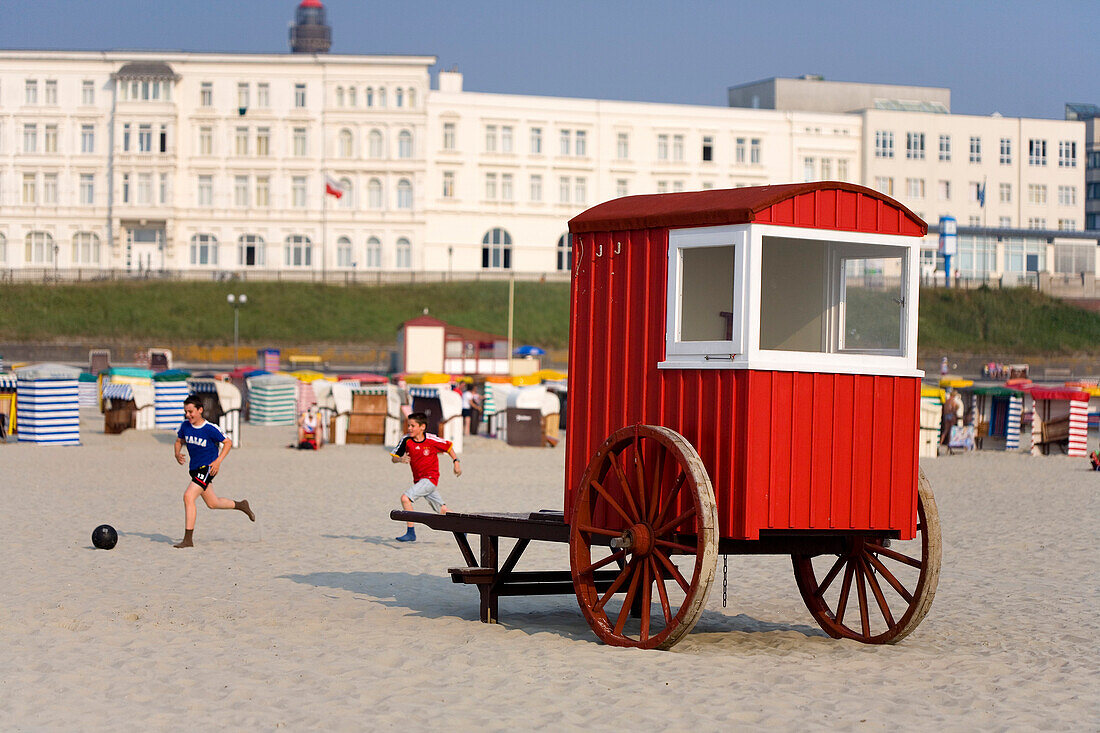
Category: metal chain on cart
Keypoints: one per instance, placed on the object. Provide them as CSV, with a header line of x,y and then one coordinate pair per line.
x,y
724,559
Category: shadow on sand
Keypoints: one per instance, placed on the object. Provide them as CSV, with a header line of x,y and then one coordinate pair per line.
x,y
431,596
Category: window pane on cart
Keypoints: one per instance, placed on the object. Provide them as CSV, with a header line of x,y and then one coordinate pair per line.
x,y
706,293
792,294
873,301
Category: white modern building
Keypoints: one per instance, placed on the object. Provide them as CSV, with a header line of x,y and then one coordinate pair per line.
x,y
203,165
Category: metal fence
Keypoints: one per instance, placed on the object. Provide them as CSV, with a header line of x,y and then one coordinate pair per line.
x,y
53,276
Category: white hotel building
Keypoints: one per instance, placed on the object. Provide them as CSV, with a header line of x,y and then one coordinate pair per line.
x,y
207,164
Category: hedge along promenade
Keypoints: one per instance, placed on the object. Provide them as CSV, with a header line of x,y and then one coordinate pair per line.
x,y
1017,321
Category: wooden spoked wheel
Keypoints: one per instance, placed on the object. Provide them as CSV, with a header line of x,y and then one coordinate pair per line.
x,y
876,591
645,501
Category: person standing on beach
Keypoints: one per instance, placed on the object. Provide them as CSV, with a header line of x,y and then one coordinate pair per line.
x,y
420,449
207,446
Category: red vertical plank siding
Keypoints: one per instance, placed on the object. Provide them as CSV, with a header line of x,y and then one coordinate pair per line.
x,y
779,449
821,462
847,208
826,204
843,427
804,210
784,450
881,451
783,212
803,449
580,315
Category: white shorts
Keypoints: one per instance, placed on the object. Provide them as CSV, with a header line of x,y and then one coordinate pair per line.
x,y
425,489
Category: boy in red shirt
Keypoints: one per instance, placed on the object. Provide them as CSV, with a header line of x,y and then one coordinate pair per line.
x,y
421,450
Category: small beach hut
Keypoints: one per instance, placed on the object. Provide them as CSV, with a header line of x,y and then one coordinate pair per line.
x,y
128,405
931,421
99,360
368,413
272,399
443,406
306,397
7,405
48,404
1093,390
532,416
88,388
990,405
171,389
221,404
270,360
495,405
1060,417
160,360
123,375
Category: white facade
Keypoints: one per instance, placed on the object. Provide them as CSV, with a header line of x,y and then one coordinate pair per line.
x,y
216,163
221,168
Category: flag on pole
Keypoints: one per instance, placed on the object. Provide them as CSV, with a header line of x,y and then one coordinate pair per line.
x,y
333,187
981,194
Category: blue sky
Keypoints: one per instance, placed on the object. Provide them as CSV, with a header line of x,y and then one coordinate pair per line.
x,y
1014,57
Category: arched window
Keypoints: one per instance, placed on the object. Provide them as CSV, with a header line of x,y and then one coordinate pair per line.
x,y
374,254
3,248
565,252
347,201
412,97
299,251
85,248
404,144
398,97
369,94
404,194
250,250
39,248
374,193
345,143
381,96
496,250
352,100
375,146
402,254
339,96
204,250
343,252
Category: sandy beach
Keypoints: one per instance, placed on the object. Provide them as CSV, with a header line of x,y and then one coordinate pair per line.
x,y
315,618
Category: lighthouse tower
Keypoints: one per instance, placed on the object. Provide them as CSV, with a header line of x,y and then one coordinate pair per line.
x,y
310,33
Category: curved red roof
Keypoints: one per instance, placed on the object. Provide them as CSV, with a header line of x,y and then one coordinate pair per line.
x,y
310,4
821,204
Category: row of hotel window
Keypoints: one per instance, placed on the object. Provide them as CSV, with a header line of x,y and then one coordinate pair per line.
x,y
1036,192
1036,149
151,90
571,189
40,248
248,191
150,138
574,143
496,251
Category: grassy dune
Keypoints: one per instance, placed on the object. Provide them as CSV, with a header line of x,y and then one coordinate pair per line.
x,y
1002,321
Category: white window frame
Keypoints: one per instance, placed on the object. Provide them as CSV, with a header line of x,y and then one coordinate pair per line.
x,y
747,240
681,354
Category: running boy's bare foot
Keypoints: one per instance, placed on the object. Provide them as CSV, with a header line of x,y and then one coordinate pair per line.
x,y
243,507
186,541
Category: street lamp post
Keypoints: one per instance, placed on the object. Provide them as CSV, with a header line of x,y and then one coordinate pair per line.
x,y
236,301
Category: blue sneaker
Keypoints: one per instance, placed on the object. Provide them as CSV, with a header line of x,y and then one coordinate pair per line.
x,y
409,536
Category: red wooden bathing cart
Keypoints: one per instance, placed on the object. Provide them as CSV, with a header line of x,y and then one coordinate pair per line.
x,y
742,381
